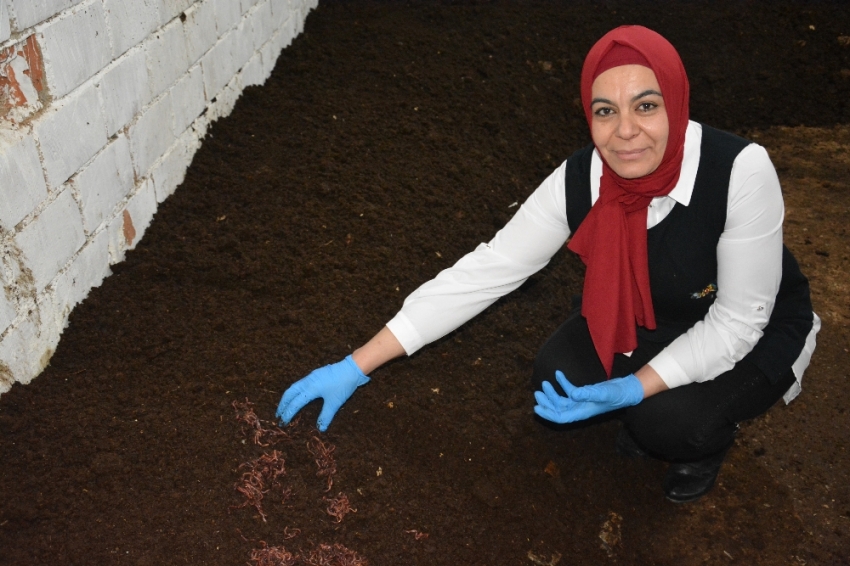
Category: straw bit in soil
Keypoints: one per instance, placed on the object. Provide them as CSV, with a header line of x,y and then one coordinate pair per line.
x,y
322,555
333,555
339,506
323,453
261,477
272,556
252,425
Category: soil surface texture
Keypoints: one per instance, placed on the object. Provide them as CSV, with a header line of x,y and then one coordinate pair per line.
x,y
391,139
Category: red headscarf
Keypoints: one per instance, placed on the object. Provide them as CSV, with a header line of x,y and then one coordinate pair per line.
x,y
612,238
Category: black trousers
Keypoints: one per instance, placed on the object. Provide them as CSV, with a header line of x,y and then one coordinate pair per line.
x,y
686,423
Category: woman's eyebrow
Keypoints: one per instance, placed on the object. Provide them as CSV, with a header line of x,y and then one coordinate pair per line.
x,y
636,97
646,93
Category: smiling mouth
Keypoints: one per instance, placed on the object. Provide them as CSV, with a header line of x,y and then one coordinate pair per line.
x,y
630,155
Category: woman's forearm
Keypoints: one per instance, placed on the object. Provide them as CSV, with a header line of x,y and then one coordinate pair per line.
x,y
383,347
651,381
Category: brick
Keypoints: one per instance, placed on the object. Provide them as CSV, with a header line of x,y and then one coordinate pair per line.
x,y
127,228
24,353
262,24
281,12
253,73
243,45
124,89
200,30
49,241
227,15
151,135
226,99
166,57
5,23
218,66
299,17
270,52
171,171
22,185
170,9
105,182
75,46
69,134
28,13
130,21
22,85
287,33
187,99
88,269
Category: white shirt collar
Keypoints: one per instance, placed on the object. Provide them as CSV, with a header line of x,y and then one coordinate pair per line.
x,y
683,190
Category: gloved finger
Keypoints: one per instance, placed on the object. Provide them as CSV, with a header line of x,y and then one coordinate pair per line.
x,y
543,400
565,385
553,396
296,405
286,399
294,391
548,414
598,392
329,409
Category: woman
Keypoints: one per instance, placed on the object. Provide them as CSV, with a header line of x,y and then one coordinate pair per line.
x,y
693,316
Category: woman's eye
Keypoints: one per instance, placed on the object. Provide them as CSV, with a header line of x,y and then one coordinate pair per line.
x,y
603,112
647,106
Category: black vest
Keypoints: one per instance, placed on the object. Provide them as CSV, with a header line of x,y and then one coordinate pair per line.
x,y
682,251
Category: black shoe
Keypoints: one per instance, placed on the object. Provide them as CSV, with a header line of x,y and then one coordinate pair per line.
x,y
626,445
688,481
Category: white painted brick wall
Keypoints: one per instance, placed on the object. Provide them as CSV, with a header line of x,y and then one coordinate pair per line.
x,y
30,12
126,229
70,133
170,9
130,21
5,24
151,135
166,57
87,270
253,71
49,241
227,15
22,187
7,312
119,97
75,46
171,169
187,99
262,23
243,46
200,29
217,65
124,89
105,182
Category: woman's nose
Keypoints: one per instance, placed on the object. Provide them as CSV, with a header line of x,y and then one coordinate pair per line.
x,y
627,127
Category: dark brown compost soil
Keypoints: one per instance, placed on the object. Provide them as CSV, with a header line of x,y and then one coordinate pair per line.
x,y
392,138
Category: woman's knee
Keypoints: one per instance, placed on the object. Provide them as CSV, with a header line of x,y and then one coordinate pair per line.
x,y
677,430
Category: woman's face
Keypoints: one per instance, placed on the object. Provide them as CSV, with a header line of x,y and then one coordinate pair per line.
x,y
629,121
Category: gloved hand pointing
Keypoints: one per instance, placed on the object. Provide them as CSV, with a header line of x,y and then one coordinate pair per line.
x,y
587,401
334,384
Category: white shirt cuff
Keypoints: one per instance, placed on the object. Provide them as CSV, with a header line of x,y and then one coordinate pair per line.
x,y
672,374
405,333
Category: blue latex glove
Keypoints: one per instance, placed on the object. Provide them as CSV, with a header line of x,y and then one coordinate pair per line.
x,y
334,384
587,401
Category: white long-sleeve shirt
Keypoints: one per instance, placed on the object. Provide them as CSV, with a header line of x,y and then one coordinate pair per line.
x,y
749,268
